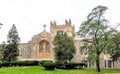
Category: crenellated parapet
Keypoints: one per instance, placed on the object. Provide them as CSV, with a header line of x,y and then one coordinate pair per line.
x,y
68,27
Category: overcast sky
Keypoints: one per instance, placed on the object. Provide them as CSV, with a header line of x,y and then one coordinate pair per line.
x,y
29,16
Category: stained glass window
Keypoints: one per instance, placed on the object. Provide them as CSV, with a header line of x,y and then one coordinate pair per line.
x,y
44,46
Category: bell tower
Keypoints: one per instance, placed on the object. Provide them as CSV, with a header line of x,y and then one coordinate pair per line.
x,y
67,27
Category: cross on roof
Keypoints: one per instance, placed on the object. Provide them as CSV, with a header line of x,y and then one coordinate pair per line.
x,y
44,26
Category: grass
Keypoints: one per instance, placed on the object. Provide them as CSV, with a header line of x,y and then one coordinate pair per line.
x,y
40,70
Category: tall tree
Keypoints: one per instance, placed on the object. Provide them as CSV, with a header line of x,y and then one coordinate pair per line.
x,y
96,32
11,52
64,47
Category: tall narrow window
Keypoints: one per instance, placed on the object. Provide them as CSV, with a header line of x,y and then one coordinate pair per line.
x,y
105,63
44,46
109,63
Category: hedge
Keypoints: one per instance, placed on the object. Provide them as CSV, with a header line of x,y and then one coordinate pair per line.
x,y
49,65
19,63
59,64
44,61
73,65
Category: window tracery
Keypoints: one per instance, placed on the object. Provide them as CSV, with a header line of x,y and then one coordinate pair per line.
x,y
44,46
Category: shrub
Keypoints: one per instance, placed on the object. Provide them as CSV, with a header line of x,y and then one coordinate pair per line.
x,y
19,63
49,65
5,64
44,61
73,65
59,64
13,63
31,63
70,65
0,65
26,63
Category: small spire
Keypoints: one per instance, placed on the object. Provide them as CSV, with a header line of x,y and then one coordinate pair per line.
x,y
69,20
54,22
66,21
51,22
44,26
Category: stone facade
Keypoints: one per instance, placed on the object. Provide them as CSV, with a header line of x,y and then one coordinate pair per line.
x,y
41,48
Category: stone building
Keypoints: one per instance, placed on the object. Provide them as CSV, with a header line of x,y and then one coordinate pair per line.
x,y
41,46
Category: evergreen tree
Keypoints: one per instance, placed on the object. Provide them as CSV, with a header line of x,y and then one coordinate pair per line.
x,y
64,47
11,52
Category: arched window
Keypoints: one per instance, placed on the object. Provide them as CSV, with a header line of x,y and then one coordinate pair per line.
x,y
44,46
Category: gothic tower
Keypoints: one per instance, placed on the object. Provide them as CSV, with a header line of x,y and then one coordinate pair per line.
x,y
67,27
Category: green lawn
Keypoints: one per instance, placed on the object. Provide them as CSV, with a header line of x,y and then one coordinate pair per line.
x,y
40,70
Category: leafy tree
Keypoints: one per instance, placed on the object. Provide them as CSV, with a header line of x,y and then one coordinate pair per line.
x,y
11,51
96,33
116,51
64,47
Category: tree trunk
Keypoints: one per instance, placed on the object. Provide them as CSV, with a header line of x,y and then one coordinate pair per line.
x,y
113,63
98,62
